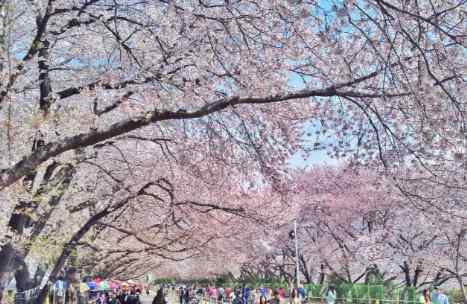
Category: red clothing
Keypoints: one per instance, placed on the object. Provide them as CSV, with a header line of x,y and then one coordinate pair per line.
x,y
282,292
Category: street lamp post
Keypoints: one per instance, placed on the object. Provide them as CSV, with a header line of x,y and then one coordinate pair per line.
x,y
296,253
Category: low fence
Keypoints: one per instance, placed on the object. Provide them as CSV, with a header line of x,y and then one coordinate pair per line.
x,y
366,294
357,293
207,300
350,294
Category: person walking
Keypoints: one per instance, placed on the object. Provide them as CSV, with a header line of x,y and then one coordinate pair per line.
x,y
245,295
138,296
214,295
101,299
114,299
270,294
281,292
301,293
237,297
181,295
159,298
435,295
263,291
331,295
425,297
228,294
132,298
442,298
255,296
121,296
293,297
275,299
221,295
186,295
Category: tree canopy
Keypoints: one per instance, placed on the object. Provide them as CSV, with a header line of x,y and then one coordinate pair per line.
x,y
142,132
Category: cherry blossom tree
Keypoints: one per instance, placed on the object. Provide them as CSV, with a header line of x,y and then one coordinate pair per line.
x,y
148,63
354,223
213,97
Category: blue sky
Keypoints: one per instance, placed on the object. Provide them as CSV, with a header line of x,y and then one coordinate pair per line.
x,y
317,157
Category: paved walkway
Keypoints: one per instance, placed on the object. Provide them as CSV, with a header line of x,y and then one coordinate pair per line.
x,y
146,299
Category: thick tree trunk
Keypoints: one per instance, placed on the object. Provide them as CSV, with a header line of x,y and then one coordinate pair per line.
x,y
22,276
67,250
7,254
74,241
418,271
58,186
304,269
406,270
322,275
44,79
13,261
462,289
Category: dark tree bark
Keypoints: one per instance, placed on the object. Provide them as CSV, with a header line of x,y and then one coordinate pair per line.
x,y
406,270
409,281
45,87
56,180
322,274
304,269
22,276
74,240
7,254
30,162
418,271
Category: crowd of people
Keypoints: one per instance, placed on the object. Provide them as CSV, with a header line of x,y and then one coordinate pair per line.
x,y
437,296
129,296
190,294
220,295
245,295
